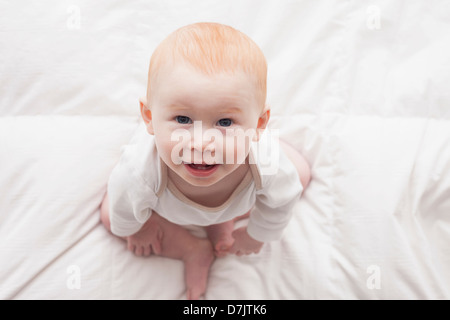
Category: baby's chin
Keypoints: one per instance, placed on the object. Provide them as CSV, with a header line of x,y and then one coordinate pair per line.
x,y
201,184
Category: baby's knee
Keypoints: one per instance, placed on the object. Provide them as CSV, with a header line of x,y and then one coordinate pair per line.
x,y
104,213
304,172
300,163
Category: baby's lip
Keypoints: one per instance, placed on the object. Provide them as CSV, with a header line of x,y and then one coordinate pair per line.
x,y
203,163
200,170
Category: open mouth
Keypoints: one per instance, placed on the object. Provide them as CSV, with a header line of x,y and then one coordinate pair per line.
x,y
201,166
200,170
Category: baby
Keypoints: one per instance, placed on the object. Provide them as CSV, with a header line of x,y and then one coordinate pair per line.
x,y
203,157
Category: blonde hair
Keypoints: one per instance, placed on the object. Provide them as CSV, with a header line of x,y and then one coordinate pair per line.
x,y
211,48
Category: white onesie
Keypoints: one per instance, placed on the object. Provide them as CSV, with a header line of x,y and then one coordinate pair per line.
x,y
139,184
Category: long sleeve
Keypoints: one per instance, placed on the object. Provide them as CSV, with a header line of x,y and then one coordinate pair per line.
x,y
131,202
281,189
132,185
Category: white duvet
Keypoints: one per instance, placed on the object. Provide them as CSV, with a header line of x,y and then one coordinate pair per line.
x,y
361,88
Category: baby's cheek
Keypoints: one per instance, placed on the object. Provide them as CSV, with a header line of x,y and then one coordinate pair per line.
x,y
170,151
235,150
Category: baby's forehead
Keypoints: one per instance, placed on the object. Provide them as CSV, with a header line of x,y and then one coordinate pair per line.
x,y
171,76
179,84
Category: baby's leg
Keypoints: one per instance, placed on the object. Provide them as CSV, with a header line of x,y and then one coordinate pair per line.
x,y
161,237
299,162
220,235
196,253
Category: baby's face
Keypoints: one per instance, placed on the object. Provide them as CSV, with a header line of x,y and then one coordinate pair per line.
x,y
195,118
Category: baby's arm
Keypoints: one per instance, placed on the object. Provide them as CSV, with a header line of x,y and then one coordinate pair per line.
x,y
273,207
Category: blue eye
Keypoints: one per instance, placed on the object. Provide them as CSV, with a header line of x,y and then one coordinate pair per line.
x,y
183,120
225,122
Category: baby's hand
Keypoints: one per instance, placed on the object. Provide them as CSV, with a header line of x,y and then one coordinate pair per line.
x,y
243,243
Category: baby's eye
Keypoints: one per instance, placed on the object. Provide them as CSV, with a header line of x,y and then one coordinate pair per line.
x,y
183,120
225,122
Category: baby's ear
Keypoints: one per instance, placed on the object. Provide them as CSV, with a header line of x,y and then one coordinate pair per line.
x,y
146,114
263,120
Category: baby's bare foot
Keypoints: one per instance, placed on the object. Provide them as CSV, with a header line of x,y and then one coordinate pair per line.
x,y
197,264
220,237
147,240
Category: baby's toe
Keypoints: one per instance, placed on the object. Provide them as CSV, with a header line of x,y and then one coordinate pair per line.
x,y
222,248
139,251
147,251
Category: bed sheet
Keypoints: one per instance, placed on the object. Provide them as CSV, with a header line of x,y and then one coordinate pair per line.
x,y
359,87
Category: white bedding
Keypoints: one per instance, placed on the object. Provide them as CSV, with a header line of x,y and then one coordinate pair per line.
x,y
359,87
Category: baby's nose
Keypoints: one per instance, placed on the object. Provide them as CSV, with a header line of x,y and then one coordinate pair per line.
x,y
203,150
202,146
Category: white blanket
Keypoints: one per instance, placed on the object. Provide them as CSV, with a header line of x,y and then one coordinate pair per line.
x,y
361,88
